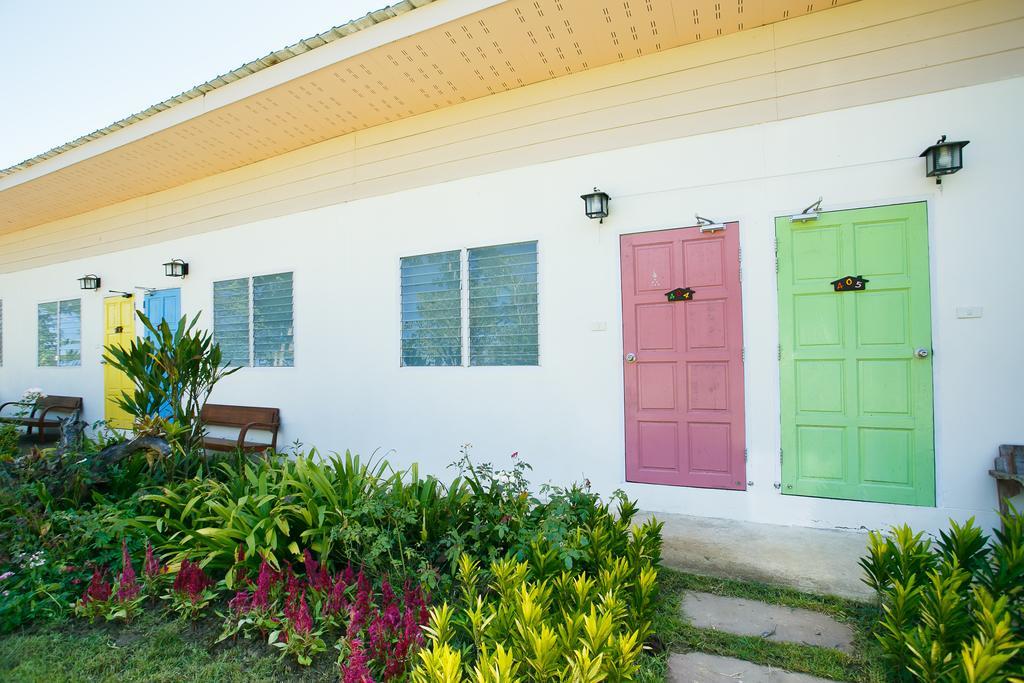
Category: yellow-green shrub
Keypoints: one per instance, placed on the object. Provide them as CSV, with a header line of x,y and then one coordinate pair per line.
x,y
528,621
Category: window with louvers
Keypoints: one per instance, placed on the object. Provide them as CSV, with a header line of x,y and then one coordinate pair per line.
x,y
471,307
272,324
231,320
503,305
59,328
431,309
253,320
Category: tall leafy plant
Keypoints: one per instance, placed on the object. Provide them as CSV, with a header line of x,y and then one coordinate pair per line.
x,y
173,373
950,610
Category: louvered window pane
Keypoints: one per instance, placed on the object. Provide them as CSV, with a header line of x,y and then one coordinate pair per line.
x,y
47,334
273,342
1,333
231,320
70,332
503,305
431,310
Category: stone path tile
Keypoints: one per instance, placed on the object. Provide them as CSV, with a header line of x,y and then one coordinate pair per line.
x,y
699,667
773,622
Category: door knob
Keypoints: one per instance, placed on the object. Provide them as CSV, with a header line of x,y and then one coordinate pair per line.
x,y
630,357
921,353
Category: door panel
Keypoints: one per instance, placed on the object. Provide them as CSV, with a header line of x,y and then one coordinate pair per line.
x,y
163,304
160,306
118,330
684,392
857,417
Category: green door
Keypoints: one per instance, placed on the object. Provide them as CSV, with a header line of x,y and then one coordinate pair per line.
x,y
856,365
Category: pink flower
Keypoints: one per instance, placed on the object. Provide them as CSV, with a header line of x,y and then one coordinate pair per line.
x,y
358,669
127,585
241,603
264,582
302,622
98,588
316,574
191,580
515,455
151,566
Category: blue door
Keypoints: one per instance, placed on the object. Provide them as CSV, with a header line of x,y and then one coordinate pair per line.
x,y
161,305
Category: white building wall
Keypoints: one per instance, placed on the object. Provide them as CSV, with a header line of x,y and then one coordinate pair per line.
x,y
565,417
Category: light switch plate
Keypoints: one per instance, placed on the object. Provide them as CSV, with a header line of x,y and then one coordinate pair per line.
x,y
968,311
598,326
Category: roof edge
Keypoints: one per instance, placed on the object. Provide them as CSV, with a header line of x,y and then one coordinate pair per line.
x,y
249,68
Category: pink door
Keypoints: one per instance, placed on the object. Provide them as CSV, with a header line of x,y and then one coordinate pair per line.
x,y
683,358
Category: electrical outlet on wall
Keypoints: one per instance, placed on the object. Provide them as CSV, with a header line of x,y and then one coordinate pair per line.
x,y
968,311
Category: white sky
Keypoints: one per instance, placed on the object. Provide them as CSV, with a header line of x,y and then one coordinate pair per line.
x,y
72,66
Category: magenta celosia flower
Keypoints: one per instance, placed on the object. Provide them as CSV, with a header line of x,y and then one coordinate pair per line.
x,y
240,571
301,620
336,601
264,582
127,586
191,580
241,603
151,567
98,588
357,670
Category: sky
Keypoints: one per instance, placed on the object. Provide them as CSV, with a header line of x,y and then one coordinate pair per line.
x,y
73,66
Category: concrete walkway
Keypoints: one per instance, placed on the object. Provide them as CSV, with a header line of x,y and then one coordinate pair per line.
x,y
771,622
822,561
745,617
699,667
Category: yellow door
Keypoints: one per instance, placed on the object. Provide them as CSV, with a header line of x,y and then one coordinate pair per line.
x,y
119,330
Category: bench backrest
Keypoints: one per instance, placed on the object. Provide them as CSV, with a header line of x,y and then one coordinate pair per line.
x,y
238,416
68,403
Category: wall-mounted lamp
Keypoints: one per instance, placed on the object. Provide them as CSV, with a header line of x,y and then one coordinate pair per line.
x,y
596,204
176,268
708,225
89,282
944,158
808,214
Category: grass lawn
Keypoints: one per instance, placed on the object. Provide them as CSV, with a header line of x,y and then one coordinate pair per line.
x,y
154,649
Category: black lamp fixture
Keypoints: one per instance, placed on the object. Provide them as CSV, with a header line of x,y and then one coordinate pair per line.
x,y
596,204
89,282
944,158
176,268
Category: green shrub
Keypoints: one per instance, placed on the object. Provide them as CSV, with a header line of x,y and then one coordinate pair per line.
x,y
952,610
535,620
9,435
173,372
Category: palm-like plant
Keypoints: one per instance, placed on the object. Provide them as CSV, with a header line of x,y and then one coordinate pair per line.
x,y
173,373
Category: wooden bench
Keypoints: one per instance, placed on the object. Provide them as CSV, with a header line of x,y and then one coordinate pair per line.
x,y
39,417
243,418
1008,475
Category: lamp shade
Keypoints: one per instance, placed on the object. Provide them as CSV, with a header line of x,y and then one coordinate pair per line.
x,y
596,204
944,157
89,282
176,268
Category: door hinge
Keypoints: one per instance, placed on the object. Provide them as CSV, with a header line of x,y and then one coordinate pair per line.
x,y
781,457
779,357
746,455
743,354
776,255
739,257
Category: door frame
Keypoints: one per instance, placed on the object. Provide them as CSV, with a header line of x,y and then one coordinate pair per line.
x,y
929,200
619,318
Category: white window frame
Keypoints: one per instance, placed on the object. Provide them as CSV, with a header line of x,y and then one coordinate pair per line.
x,y
58,364
464,321
250,365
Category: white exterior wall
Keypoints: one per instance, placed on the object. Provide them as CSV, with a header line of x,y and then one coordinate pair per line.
x,y
565,417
